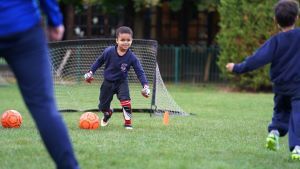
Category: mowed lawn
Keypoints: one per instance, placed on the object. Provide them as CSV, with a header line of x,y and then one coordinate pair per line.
x,y
227,131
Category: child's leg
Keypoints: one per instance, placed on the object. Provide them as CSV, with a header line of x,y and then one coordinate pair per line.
x,y
294,127
107,113
105,98
280,121
124,97
281,115
127,112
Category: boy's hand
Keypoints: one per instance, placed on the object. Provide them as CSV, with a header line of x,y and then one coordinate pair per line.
x,y
146,91
229,67
89,77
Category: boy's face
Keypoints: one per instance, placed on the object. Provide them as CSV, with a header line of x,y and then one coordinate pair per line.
x,y
124,41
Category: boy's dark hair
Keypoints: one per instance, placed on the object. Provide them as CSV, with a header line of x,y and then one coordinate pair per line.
x,y
286,12
123,29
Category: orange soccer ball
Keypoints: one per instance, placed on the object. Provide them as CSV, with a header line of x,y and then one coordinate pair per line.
x,y
89,120
11,119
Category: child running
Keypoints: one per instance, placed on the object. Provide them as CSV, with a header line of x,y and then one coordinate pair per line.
x,y
118,60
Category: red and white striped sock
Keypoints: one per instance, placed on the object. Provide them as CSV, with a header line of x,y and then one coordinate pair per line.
x,y
127,112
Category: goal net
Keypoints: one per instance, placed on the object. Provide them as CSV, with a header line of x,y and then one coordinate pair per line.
x,y
72,59
5,73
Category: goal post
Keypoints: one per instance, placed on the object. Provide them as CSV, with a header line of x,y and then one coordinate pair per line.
x,y
72,59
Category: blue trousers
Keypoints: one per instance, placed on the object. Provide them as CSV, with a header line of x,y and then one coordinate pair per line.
x,y
27,55
286,118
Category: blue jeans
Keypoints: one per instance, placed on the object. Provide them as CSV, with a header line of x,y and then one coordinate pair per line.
x,y
27,55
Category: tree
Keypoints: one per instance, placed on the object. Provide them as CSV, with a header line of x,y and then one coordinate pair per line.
x,y
209,5
245,25
175,5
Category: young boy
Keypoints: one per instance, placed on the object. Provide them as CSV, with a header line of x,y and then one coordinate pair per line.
x,y
118,60
283,52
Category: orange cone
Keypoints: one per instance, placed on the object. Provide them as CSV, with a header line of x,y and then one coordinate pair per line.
x,y
166,118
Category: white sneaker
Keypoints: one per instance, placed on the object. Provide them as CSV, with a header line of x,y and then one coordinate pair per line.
x,y
296,153
128,127
103,123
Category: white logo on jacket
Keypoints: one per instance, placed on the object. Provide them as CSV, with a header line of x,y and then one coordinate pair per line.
x,y
123,67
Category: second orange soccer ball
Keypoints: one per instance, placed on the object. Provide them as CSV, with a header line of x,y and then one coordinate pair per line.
x,y
89,120
11,119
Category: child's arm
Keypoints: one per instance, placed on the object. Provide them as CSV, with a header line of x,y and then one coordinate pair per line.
x,y
142,77
260,58
139,71
98,63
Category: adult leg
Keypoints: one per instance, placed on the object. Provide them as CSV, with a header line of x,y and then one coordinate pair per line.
x,y
28,57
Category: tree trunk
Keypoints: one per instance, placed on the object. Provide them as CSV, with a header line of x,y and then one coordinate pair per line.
x,y
207,67
69,21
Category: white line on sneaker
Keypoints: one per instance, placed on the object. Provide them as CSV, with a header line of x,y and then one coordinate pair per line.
x,y
103,124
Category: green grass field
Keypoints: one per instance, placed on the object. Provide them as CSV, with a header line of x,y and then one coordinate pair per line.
x,y
228,131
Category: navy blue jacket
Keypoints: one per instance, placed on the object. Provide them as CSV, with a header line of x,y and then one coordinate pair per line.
x,y
21,15
117,67
283,52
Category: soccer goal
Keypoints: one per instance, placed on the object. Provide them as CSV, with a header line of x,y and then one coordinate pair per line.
x,y
5,73
72,59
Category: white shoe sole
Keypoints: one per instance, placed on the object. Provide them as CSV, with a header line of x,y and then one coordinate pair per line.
x,y
103,124
128,128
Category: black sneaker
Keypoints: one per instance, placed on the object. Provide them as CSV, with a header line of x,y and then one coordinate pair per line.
x,y
105,118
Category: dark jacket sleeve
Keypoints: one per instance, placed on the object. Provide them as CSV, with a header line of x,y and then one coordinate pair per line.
x,y
139,71
260,58
99,62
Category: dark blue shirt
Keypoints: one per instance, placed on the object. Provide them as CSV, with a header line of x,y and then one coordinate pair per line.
x,y
117,67
21,15
283,52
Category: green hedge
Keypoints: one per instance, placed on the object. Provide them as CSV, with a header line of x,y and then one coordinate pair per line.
x,y
245,26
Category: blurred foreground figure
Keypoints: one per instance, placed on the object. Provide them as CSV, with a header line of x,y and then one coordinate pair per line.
x,y
23,45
